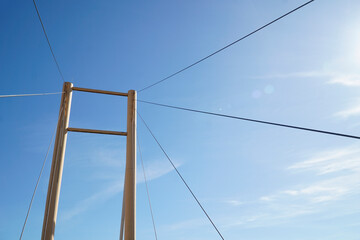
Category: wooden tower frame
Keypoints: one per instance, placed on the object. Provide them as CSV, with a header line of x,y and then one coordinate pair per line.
x,y
128,219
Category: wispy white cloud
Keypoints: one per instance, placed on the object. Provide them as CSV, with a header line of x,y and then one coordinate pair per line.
x,y
303,74
109,157
331,161
266,198
86,203
336,179
332,77
234,202
275,215
155,170
343,167
346,80
186,224
321,191
349,112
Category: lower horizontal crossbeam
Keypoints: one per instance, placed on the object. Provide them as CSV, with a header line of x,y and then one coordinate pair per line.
x,y
96,131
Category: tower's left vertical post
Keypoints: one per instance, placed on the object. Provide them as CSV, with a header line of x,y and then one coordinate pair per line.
x,y
52,199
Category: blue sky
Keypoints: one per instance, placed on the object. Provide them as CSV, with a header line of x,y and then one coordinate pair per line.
x,y
256,181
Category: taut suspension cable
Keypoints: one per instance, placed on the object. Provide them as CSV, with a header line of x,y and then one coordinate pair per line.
x,y
254,120
223,48
183,180
147,188
37,182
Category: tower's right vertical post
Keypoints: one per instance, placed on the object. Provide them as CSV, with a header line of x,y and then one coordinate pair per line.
x,y
130,172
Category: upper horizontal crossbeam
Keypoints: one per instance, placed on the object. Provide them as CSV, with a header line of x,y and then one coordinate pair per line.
x,y
99,91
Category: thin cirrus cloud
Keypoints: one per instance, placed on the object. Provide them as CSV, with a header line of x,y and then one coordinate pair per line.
x,y
331,161
234,202
333,180
301,74
339,173
155,170
186,224
342,166
334,77
346,80
338,78
349,112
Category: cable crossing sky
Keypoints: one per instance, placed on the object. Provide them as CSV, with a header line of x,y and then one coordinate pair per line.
x,y
48,41
147,188
29,94
223,48
183,180
253,120
38,180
